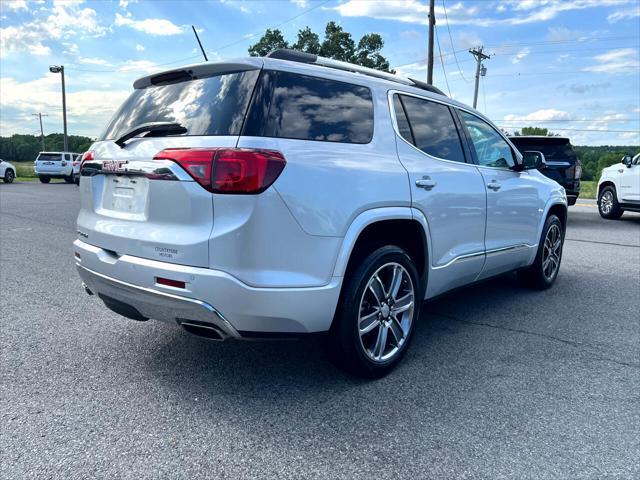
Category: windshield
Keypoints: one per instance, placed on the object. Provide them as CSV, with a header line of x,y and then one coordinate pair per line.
x,y
208,106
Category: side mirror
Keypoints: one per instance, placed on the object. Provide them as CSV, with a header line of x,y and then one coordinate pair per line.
x,y
627,160
533,160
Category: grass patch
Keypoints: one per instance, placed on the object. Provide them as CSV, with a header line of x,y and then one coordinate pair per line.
x,y
24,171
588,189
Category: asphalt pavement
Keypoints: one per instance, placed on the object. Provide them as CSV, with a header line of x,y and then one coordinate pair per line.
x,y
500,381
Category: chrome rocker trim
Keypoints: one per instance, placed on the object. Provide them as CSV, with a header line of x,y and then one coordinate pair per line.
x,y
155,304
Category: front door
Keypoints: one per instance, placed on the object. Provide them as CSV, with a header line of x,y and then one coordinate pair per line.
x,y
446,189
630,182
514,208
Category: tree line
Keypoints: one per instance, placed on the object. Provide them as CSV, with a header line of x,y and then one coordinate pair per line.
x,y
25,148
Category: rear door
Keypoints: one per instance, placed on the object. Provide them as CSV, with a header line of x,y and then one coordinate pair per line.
x,y
514,207
447,189
136,205
49,163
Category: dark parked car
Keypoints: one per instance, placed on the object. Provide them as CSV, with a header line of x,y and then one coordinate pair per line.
x,y
563,164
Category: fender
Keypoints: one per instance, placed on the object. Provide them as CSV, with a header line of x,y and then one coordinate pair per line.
x,y
372,216
556,199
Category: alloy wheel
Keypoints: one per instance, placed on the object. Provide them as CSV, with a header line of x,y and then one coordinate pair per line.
x,y
551,252
606,202
386,312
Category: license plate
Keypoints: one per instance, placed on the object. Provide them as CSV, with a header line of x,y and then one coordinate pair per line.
x,y
125,197
48,163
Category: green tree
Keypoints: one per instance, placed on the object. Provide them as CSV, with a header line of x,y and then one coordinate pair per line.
x,y
336,44
533,131
308,41
270,41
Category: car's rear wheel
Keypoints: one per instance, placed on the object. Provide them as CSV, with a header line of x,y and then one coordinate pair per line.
x,y
376,315
44,179
608,204
9,176
69,179
544,270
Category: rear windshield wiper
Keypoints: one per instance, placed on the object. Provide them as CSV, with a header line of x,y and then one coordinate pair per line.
x,y
168,128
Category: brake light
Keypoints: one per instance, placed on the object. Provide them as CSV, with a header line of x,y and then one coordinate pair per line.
x,y
88,155
228,170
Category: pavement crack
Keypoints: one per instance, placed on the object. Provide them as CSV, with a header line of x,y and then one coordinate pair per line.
x,y
603,243
578,345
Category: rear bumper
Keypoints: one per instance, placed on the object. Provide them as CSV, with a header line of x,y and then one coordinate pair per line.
x,y
210,296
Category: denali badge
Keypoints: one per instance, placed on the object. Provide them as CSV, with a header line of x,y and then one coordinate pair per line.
x,y
114,166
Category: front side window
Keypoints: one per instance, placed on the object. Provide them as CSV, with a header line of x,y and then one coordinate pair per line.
x,y
491,149
433,128
290,105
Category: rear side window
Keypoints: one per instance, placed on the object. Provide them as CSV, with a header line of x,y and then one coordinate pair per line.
x,y
207,106
434,130
289,105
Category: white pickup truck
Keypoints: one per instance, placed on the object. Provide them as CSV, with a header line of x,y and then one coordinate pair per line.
x,y
619,188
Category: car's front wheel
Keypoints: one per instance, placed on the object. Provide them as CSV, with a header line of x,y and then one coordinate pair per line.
x,y
608,204
544,270
9,176
377,313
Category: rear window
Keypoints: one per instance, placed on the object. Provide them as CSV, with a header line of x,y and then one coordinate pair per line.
x,y
290,105
49,157
208,106
553,149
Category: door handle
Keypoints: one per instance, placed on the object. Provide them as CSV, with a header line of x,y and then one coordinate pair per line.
x,y
426,183
494,185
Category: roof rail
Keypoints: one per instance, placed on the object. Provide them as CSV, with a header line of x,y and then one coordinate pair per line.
x,y
302,57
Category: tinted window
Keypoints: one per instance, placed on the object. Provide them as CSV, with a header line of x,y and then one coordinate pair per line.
x,y
290,105
556,149
401,120
491,149
49,157
208,106
434,129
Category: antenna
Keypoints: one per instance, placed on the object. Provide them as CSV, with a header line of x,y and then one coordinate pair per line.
x,y
200,43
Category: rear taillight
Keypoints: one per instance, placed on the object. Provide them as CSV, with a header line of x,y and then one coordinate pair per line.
x,y
228,170
578,171
63,163
85,157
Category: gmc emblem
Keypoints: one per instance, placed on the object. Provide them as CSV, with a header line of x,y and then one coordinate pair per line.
x,y
114,166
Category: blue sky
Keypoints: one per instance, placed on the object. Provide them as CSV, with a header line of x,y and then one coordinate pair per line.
x,y
571,65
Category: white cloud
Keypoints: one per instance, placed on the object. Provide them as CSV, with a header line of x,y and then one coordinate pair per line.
x,y
622,60
150,26
139,48
15,4
139,66
632,12
520,55
93,61
541,115
64,20
301,3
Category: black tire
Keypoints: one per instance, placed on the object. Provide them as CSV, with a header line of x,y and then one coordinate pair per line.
x,y
344,344
44,179
539,276
69,179
608,204
77,180
9,176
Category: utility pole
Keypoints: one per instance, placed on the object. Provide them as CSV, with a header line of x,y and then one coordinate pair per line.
x,y
200,43
432,24
60,69
40,115
477,53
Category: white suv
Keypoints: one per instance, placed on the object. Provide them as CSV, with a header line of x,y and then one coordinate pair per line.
x,y
619,188
290,195
50,165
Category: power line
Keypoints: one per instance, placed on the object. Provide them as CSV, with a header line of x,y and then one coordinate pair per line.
x,y
444,72
446,18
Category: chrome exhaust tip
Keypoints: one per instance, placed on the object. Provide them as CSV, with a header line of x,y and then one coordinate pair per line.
x,y
87,289
209,332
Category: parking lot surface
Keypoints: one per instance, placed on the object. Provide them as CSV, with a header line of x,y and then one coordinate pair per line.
x,y
500,381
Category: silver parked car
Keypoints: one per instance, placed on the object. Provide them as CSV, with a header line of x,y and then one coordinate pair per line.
x,y
290,195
